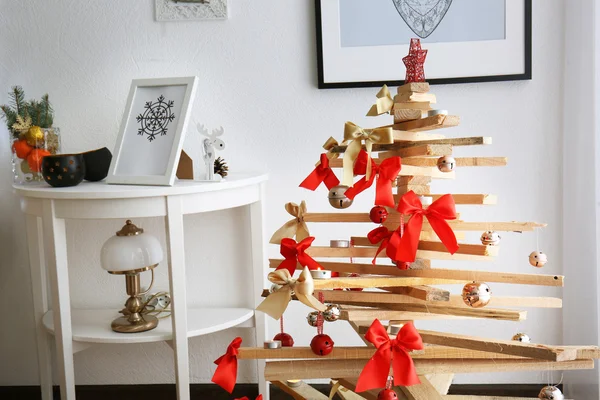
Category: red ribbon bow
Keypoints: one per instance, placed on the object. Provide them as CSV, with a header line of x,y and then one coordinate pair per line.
x,y
395,351
385,236
437,213
246,398
386,174
321,173
294,252
226,372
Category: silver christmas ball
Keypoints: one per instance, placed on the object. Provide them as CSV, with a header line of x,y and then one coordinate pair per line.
x,y
551,393
332,313
311,318
446,163
490,238
476,294
522,337
274,287
538,259
337,197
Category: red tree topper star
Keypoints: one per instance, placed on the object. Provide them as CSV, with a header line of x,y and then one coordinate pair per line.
x,y
414,62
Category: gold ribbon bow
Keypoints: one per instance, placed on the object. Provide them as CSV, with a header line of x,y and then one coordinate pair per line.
x,y
383,104
294,227
276,303
328,145
355,135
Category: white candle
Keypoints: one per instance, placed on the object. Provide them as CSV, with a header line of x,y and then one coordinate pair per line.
x,y
426,200
320,274
272,344
339,243
294,382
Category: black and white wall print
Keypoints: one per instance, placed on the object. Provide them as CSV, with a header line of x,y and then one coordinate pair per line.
x,y
361,43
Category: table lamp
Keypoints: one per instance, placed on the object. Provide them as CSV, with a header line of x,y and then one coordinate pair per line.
x,y
129,253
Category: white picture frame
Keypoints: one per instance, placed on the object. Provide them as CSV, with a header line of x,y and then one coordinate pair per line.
x,y
152,131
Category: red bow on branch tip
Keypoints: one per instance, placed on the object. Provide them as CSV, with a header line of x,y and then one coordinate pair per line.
x,y
294,252
386,174
437,213
226,372
246,398
395,351
321,173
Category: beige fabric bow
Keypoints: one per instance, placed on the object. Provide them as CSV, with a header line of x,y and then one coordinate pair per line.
x,y
276,303
294,227
383,104
354,134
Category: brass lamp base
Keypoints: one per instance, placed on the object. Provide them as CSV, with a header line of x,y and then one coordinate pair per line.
x,y
123,325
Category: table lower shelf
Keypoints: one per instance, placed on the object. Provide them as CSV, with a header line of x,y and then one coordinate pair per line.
x,y
93,326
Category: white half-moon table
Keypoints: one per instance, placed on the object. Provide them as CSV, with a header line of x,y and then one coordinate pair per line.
x,y
46,210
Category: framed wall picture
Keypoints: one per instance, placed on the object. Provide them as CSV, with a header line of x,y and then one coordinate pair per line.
x,y
361,43
152,131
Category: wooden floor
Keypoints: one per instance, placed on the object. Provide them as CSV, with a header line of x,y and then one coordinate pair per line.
x,y
212,392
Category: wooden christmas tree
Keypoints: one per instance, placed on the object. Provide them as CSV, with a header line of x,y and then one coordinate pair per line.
x,y
416,227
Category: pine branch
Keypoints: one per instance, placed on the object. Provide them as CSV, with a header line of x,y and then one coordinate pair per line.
x,y
17,97
47,111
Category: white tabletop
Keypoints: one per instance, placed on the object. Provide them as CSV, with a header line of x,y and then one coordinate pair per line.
x,y
102,190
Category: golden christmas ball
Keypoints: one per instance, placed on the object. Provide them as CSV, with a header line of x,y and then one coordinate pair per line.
x,y
446,163
337,197
522,337
35,136
538,259
490,238
332,313
551,393
311,318
476,294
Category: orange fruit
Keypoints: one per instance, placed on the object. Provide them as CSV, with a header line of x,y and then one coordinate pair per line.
x,y
21,148
35,157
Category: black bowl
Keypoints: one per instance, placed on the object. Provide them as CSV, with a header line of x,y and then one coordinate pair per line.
x,y
97,163
62,170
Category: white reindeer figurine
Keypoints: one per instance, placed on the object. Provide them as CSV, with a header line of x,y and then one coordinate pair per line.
x,y
210,144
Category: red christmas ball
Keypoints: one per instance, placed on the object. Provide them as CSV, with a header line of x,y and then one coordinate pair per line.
x,y
285,338
387,394
378,214
321,345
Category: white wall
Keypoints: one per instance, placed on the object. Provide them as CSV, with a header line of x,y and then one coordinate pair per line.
x,y
257,72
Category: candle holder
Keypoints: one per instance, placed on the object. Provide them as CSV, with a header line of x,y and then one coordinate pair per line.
x,y
272,344
320,274
339,244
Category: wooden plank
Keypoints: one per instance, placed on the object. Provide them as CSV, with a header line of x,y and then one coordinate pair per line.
x,y
513,347
415,97
407,170
421,190
441,382
424,293
406,114
344,393
429,123
418,87
461,141
488,313
424,391
369,252
318,369
460,162
456,274
399,148
465,248
403,136
301,392
370,282
369,314
369,394
464,199
413,180
338,353
412,105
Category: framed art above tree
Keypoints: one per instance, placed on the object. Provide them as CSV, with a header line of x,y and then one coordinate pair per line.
x,y
361,43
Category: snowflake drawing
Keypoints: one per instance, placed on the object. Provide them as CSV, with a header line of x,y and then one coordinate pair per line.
x,y
156,118
422,16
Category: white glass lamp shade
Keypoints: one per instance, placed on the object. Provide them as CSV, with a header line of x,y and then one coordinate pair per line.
x,y
121,254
